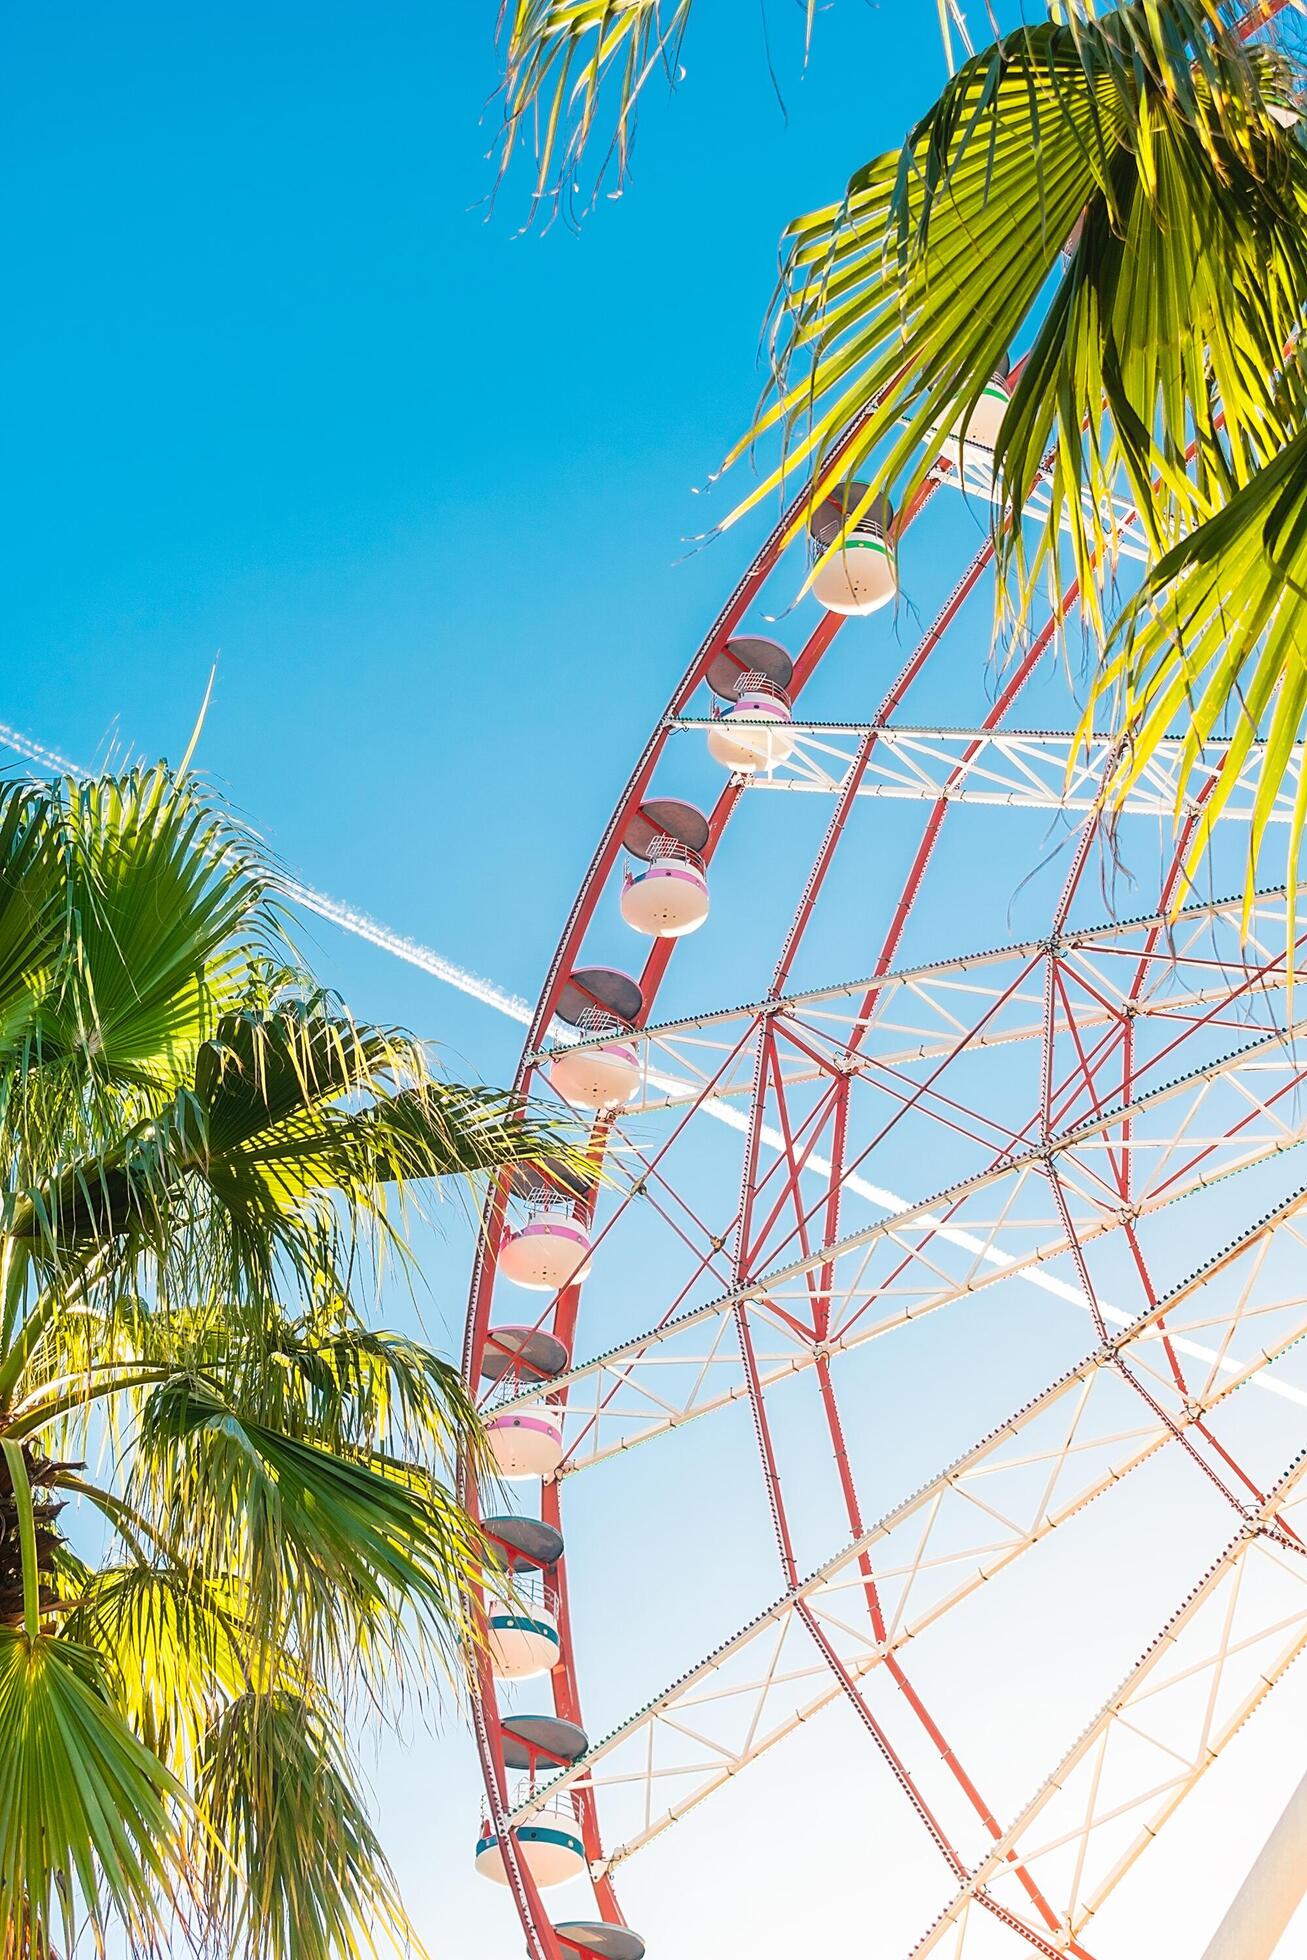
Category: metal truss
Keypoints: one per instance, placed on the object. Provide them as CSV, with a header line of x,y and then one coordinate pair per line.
x,y
1209,1669
1032,1475
1016,769
1193,960
1229,1118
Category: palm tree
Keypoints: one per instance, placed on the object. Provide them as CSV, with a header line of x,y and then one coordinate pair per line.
x,y
1125,190
205,1162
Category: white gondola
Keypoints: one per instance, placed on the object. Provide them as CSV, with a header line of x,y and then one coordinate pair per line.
x,y
522,1630
522,1354
526,1442
747,749
983,427
986,421
549,1844
601,1077
603,1005
667,896
861,576
549,1252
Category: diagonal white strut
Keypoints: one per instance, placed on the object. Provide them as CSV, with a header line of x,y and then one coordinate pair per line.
x,y
1272,1892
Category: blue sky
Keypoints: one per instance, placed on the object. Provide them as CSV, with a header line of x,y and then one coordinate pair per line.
x,y
282,391
279,389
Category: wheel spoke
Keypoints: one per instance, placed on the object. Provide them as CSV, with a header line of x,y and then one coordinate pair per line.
x,y
1034,1473
1015,769
1233,1116
1233,1638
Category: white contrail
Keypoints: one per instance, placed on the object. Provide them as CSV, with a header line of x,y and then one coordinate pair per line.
x,y
517,1009
335,909
363,927
37,752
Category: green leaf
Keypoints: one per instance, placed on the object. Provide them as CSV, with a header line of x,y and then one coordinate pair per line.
x,y
31,919
205,1157
158,888
330,1380
1214,641
1160,339
328,1550
280,1094
574,72
301,1875
171,1642
87,1814
300,1131
559,55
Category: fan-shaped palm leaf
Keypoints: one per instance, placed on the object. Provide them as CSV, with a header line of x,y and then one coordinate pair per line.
x,y
88,1814
158,886
574,71
1215,640
333,1545
302,1875
31,913
558,56
172,1646
1162,332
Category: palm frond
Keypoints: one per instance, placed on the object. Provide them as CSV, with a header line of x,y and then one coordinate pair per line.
x,y
439,1129
171,1644
163,896
327,1379
574,71
88,1816
1162,335
31,914
279,1093
1214,641
301,1874
559,54
331,1553
299,1132
203,1157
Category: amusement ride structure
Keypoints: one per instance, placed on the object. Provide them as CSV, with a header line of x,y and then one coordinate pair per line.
x,y
1025,1198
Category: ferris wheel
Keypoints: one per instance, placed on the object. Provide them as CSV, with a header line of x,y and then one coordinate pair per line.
x,y
952,1238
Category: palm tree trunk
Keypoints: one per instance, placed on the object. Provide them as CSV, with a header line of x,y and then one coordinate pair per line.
x,y
46,1508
